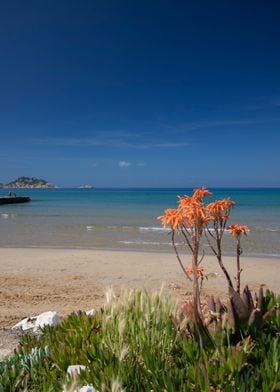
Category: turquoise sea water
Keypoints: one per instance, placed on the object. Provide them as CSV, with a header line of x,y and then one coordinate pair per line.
x,y
127,219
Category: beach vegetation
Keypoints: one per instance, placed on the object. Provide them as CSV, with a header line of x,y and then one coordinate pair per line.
x,y
193,220
142,341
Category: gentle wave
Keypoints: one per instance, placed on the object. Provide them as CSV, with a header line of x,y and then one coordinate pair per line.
x,y
125,228
154,229
112,227
271,229
165,229
145,243
8,216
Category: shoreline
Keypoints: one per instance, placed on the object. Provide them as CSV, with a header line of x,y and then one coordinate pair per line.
x,y
34,280
131,250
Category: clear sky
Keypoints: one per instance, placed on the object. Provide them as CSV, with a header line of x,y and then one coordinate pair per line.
x,y
141,93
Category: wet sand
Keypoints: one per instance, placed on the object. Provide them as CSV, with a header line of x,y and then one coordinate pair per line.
x,y
65,280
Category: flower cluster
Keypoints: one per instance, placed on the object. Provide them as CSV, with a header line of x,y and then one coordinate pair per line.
x,y
171,218
238,230
193,212
193,218
219,210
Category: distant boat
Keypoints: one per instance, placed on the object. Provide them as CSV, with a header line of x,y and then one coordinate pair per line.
x,y
86,187
14,199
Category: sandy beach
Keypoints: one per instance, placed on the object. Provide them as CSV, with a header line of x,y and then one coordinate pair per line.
x,y
65,280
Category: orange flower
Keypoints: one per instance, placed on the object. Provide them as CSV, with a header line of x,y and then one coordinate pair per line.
x,y
185,201
200,193
193,212
237,230
200,271
220,209
172,217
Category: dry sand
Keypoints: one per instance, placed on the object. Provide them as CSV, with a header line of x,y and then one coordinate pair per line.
x,y
36,280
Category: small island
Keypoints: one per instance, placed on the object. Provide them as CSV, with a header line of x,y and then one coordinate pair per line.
x,y
28,182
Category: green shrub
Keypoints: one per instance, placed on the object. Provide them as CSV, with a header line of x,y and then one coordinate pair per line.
x,y
139,342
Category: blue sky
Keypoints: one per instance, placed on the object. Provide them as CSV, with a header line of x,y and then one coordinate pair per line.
x,y
140,93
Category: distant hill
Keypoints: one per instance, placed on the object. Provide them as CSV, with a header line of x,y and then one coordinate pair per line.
x,y
28,182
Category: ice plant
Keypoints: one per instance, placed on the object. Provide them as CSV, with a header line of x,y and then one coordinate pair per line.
x,y
237,231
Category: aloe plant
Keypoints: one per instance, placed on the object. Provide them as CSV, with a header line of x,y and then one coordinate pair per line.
x,y
239,314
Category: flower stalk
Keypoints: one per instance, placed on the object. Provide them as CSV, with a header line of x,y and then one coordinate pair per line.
x,y
192,220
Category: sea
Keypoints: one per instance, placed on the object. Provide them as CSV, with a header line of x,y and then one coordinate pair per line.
x,y
127,219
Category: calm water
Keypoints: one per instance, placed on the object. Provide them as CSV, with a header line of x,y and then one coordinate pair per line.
x,y
127,219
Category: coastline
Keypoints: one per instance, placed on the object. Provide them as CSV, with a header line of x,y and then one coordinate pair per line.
x,y
34,280
160,250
